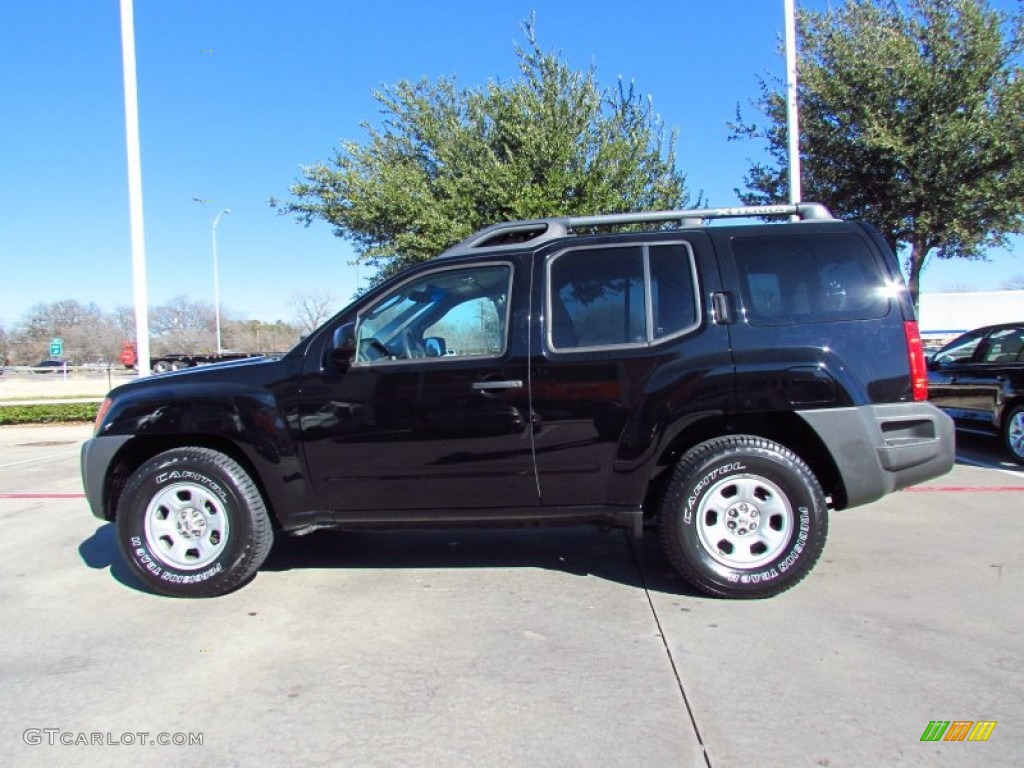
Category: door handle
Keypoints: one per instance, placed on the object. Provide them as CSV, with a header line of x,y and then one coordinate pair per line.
x,y
484,386
721,305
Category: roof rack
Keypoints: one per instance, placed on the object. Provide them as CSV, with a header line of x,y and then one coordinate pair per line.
x,y
511,234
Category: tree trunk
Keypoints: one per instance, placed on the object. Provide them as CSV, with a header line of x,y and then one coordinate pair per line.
x,y
918,255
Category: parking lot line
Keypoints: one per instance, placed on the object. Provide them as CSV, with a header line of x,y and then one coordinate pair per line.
x,y
961,488
989,465
42,495
36,460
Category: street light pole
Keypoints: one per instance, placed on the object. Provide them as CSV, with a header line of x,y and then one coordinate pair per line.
x,y
138,240
214,221
792,118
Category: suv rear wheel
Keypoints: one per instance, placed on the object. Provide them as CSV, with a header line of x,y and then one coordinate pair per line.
x,y
193,524
743,517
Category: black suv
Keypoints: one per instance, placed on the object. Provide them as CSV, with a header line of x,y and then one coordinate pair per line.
x,y
733,382
978,379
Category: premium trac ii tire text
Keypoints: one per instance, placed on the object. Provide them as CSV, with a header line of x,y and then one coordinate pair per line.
x,y
192,523
743,517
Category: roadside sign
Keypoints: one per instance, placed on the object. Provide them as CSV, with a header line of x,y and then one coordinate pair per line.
x,y
56,347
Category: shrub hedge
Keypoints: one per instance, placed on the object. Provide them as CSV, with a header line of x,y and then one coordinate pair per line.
x,y
55,413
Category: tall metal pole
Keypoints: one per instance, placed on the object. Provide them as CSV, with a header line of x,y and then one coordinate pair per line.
x,y
216,274
791,104
216,278
131,123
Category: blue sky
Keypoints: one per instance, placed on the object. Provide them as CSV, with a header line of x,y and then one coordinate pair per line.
x,y
235,96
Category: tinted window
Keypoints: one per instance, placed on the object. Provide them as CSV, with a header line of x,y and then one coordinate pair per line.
x,y
601,297
961,349
448,313
809,279
1005,345
673,298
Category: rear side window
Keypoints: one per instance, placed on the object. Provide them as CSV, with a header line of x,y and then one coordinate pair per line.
x,y
1005,345
618,296
961,349
794,278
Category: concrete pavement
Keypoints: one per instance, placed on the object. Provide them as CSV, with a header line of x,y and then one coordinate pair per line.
x,y
521,648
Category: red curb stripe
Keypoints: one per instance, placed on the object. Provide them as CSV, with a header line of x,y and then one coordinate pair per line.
x,y
42,495
970,488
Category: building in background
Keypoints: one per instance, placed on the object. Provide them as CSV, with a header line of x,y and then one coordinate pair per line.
x,y
943,316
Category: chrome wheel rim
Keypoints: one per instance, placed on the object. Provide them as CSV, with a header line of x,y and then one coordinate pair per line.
x,y
186,526
744,521
1015,435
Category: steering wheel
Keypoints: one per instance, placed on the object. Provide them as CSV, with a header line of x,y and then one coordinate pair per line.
x,y
411,346
370,350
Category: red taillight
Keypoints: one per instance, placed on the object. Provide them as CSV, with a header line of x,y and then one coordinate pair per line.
x,y
918,369
99,415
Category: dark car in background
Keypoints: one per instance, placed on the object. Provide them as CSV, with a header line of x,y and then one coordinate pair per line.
x,y
48,366
978,379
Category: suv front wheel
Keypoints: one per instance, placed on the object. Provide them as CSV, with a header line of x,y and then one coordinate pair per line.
x,y
743,517
192,523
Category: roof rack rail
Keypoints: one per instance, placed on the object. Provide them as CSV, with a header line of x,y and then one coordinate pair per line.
x,y
511,234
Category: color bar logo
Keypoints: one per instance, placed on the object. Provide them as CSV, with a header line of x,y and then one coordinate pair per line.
x,y
958,730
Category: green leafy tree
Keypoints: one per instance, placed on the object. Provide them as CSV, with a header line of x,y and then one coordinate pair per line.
x,y
446,161
910,118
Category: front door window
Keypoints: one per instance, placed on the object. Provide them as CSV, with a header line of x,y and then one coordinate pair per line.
x,y
451,313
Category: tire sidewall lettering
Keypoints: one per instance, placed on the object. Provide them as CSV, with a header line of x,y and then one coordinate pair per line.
x,y
692,500
188,475
175,577
789,559
139,550
802,531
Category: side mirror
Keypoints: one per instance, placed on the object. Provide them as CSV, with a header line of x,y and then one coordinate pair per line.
x,y
343,345
435,346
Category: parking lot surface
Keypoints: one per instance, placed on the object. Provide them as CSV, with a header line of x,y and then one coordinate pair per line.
x,y
543,647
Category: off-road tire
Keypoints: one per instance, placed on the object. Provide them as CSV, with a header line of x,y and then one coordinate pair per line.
x,y
743,517
192,523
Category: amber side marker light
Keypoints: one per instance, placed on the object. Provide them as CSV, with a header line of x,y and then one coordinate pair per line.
x,y
99,415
